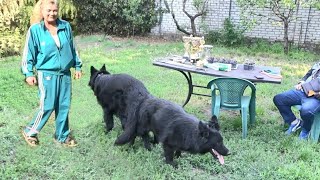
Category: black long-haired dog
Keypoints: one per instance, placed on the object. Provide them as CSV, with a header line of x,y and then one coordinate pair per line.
x,y
119,95
179,131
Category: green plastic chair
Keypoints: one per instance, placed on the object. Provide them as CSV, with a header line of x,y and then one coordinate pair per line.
x,y
228,93
315,128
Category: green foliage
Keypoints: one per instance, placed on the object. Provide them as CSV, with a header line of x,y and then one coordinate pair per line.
x,y
230,35
141,15
9,29
15,21
198,4
117,17
317,5
213,37
67,9
24,17
10,42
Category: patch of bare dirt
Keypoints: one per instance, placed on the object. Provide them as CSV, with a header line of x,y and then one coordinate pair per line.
x,y
86,45
146,39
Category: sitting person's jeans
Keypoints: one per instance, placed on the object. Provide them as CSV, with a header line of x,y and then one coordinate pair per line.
x,y
309,106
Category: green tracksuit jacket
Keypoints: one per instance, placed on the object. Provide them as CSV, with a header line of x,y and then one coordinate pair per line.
x,y
41,54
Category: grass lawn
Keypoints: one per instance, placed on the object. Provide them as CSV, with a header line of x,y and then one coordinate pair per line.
x,y
266,153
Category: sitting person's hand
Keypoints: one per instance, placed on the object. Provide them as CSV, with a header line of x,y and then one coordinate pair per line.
x,y
298,86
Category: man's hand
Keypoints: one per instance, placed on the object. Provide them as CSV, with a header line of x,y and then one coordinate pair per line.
x,y
77,75
298,86
31,80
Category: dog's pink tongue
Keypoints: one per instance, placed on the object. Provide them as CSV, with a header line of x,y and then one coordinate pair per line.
x,y
219,156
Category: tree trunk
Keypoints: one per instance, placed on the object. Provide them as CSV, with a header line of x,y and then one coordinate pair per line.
x,y
193,27
285,36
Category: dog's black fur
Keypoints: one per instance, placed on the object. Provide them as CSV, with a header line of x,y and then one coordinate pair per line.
x,y
177,130
120,95
140,113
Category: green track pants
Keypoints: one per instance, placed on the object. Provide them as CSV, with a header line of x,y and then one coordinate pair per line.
x,y
55,95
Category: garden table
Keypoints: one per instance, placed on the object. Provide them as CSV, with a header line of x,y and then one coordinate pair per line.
x,y
239,72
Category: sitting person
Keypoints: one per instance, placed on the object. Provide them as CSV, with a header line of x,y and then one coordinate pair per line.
x,y
306,94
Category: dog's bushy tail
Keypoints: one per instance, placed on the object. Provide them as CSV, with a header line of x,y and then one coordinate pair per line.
x,y
128,134
130,128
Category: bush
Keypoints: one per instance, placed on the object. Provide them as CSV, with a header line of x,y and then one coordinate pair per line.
x,y
230,35
10,42
117,17
15,21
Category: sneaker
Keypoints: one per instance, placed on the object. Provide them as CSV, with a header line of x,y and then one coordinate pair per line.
x,y
304,134
294,126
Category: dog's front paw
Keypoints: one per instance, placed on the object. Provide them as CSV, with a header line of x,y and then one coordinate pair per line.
x,y
177,154
117,142
147,146
109,127
107,130
172,163
120,141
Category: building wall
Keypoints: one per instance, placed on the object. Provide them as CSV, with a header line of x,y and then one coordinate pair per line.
x,y
305,28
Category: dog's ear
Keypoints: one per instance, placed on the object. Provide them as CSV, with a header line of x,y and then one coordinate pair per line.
x,y
213,123
203,130
103,68
93,70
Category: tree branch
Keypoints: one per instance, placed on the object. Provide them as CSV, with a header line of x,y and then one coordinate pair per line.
x,y
184,9
176,22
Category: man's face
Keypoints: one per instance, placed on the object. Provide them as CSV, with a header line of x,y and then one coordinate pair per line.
x,y
50,12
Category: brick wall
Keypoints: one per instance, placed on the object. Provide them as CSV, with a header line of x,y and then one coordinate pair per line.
x,y
305,28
